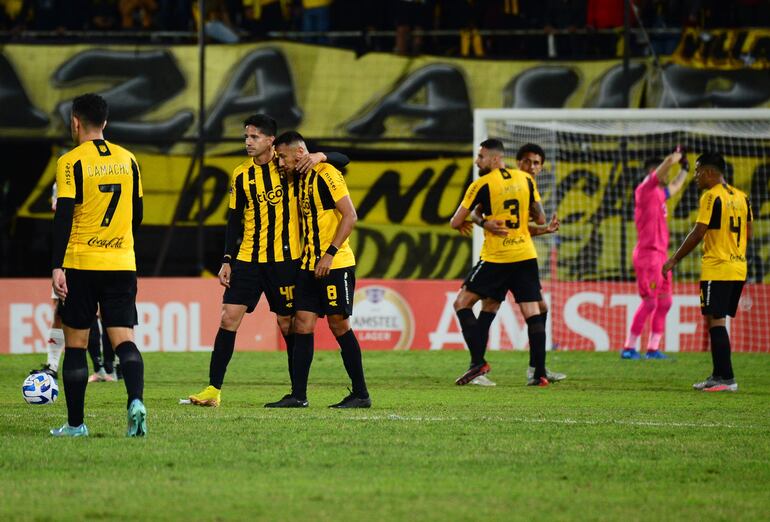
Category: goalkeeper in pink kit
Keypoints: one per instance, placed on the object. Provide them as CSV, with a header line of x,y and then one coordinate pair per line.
x,y
651,252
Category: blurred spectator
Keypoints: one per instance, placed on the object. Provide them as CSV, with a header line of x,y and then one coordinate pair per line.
x,y
175,15
464,15
506,15
53,15
355,15
315,18
217,23
568,15
136,14
105,15
601,15
271,16
411,15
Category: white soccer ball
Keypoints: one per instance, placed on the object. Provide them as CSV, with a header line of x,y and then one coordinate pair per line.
x,y
40,388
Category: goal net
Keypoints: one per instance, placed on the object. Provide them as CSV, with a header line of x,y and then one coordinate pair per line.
x,y
594,161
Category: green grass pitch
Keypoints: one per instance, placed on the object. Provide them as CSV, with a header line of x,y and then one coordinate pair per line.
x,y
618,440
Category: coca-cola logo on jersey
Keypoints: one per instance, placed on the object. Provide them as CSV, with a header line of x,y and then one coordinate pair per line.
x,y
115,242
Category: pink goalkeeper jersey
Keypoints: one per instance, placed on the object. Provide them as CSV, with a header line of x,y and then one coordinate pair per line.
x,y
650,215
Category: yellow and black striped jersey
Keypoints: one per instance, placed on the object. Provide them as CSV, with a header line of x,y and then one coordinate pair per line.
x,y
319,191
102,178
506,195
726,211
270,217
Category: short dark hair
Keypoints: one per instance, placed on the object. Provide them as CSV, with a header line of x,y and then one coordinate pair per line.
x,y
713,160
264,124
533,148
289,138
493,144
90,108
652,164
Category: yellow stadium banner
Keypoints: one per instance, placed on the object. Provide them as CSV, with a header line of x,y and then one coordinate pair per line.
x,y
325,93
724,49
404,210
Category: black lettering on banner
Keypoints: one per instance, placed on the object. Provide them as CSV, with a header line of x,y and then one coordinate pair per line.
x,y
18,110
189,197
430,208
761,50
147,80
589,183
423,255
541,87
446,113
388,187
704,87
274,92
609,93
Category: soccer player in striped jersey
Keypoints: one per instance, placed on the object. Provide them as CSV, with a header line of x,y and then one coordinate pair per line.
x,y
508,262
724,223
263,214
326,279
651,252
98,210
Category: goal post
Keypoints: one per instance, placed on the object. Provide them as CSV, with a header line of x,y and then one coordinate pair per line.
x,y
594,160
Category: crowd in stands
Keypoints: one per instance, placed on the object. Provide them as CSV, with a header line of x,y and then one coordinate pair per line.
x,y
577,28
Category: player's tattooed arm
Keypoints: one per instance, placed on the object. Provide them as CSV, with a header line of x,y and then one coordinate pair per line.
x,y
537,213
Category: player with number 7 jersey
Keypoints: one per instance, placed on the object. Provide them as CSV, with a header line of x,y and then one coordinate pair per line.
x,y
103,178
93,264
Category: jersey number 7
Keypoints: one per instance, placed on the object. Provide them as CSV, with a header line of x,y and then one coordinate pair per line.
x,y
115,189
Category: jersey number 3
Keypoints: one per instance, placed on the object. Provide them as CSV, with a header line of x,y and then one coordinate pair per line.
x,y
115,189
512,205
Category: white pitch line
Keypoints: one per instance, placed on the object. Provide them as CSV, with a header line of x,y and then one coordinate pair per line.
x,y
524,420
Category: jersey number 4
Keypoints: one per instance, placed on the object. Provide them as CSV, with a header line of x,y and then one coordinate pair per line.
x,y
736,229
115,189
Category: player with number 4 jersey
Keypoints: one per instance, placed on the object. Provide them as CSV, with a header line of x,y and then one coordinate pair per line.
x,y
724,223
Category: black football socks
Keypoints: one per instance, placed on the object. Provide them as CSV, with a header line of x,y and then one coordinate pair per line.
x,y
536,331
351,358
75,376
470,328
224,345
484,323
132,366
720,352
303,358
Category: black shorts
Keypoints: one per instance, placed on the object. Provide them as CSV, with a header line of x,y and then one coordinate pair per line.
x,y
720,298
493,280
113,291
248,281
331,295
